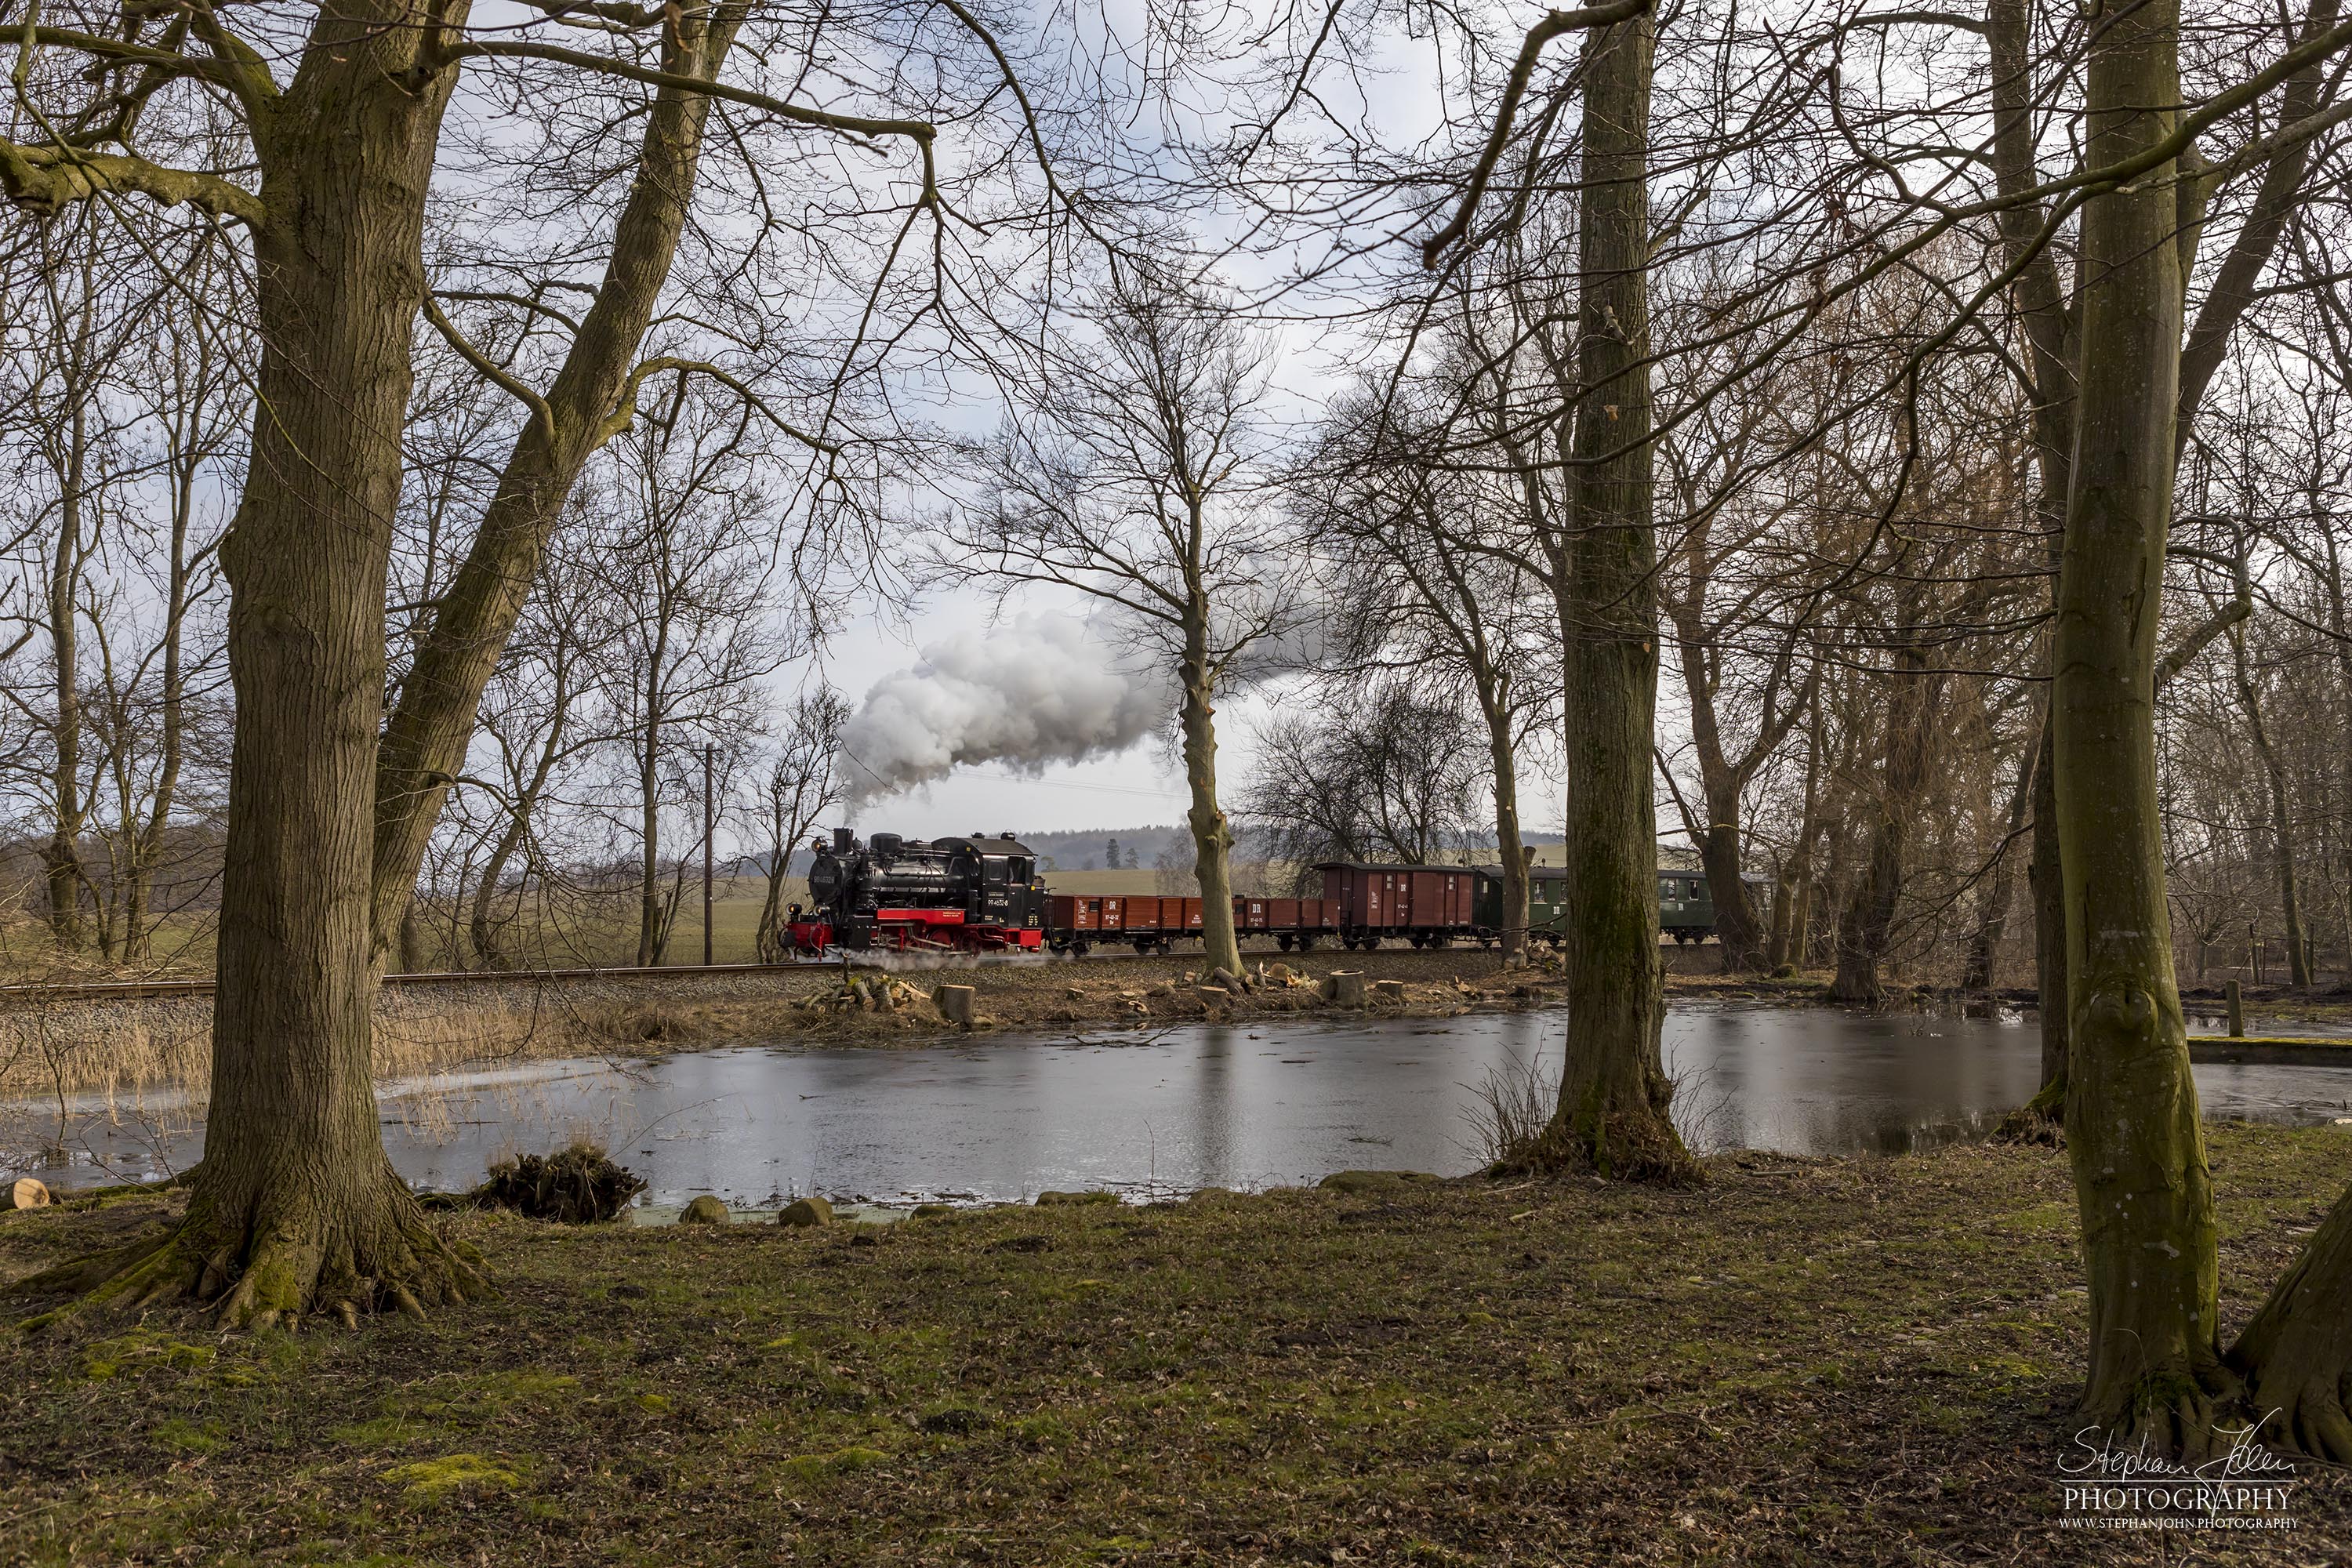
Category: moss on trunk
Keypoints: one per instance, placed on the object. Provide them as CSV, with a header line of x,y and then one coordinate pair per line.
x,y
2142,1179
1614,1098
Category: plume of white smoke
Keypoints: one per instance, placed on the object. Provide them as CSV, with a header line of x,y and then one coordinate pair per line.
x,y
1027,694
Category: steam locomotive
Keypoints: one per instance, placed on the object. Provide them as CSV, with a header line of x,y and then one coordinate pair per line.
x,y
972,895
985,895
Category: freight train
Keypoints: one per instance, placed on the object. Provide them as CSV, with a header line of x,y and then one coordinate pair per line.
x,y
985,895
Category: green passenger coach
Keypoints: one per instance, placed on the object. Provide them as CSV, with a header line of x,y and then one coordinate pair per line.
x,y
1685,907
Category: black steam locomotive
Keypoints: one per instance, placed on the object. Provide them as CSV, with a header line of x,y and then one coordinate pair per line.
x,y
975,894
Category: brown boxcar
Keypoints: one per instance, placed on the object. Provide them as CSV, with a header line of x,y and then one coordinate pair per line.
x,y
1425,904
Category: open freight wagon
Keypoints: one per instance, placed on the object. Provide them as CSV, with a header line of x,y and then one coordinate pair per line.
x,y
1077,924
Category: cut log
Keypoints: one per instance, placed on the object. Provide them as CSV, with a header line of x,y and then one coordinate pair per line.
x,y
1345,987
28,1193
955,1004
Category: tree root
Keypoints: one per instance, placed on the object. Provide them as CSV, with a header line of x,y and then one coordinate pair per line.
x,y
259,1274
2179,1416
2040,1120
1640,1147
2309,1419
2296,1354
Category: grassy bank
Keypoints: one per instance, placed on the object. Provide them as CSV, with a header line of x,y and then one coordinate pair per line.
x,y
1861,1361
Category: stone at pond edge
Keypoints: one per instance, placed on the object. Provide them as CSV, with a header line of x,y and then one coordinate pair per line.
x,y
932,1211
705,1210
1361,1182
806,1211
1056,1200
28,1193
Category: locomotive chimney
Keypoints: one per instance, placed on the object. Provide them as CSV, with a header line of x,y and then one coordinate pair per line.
x,y
843,840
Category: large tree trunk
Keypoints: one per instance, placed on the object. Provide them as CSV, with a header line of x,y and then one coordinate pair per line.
x,y
1737,927
1503,754
295,1206
2138,1152
61,856
2045,880
2040,304
424,742
1792,890
652,928
1613,1093
2001,882
2282,827
1866,926
1212,835
481,921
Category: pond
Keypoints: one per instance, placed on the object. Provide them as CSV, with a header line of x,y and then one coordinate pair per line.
x,y
1175,1109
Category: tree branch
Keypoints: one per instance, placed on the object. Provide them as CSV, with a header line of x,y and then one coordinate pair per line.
x,y
2200,637
505,380
920,131
1515,88
625,411
47,180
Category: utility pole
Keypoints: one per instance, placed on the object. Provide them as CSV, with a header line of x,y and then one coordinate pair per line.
x,y
709,827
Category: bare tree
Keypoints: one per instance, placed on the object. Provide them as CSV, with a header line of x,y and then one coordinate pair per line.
x,y
803,781
335,127
1134,472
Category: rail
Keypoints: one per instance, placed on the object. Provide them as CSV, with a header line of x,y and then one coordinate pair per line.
x,y
132,989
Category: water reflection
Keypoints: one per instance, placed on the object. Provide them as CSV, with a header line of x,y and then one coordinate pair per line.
x,y
1183,1108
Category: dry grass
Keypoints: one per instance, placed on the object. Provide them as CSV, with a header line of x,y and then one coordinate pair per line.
x,y
1808,1362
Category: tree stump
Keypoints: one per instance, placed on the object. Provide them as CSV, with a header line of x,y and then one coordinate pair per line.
x,y
28,1193
955,1004
1345,987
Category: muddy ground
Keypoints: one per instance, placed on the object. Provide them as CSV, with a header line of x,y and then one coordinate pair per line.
x,y
1866,1360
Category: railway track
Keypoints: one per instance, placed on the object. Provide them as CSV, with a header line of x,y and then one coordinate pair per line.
x,y
136,990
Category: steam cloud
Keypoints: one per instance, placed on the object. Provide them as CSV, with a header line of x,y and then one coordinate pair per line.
x,y
1028,694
